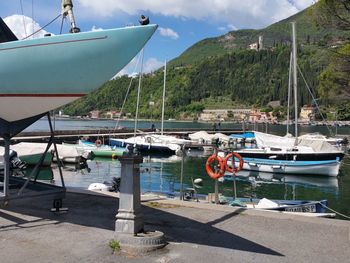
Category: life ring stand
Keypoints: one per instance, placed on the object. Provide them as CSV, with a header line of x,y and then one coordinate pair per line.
x,y
210,172
233,168
98,142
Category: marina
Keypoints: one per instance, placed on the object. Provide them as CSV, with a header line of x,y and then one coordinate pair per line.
x,y
195,159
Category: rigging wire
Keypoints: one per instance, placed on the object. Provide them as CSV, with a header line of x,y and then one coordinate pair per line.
x,y
53,20
33,16
127,93
314,99
24,22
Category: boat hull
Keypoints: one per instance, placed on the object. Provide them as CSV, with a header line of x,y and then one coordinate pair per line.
x,y
144,147
39,75
326,168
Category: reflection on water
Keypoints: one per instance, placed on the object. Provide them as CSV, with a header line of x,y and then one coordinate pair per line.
x,y
164,175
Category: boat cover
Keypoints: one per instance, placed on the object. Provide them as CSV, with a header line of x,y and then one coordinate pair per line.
x,y
270,140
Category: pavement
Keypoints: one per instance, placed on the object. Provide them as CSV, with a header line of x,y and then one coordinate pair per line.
x,y
196,232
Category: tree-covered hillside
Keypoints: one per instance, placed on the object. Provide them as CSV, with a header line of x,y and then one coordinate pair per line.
x,y
221,72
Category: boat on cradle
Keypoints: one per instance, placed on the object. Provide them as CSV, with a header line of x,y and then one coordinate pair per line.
x,y
101,150
59,69
299,207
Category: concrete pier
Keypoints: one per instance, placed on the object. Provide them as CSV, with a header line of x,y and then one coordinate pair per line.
x,y
196,232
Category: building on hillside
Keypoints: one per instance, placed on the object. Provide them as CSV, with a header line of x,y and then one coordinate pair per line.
x,y
223,114
256,116
257,45
112,114
307,113
95,114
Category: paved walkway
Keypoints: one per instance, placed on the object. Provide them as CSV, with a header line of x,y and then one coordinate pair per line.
x,y
196,232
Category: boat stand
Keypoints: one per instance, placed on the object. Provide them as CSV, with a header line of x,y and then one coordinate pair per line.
x,y
15,188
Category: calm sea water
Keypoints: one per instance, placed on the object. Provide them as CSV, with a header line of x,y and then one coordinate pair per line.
x,y
164,174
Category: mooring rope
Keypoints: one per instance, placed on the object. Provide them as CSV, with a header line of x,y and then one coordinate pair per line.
x,y
338,213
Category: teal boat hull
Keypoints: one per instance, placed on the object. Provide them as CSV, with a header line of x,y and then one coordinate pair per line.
x,y
40,75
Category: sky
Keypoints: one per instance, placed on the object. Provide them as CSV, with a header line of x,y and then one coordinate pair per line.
x,y
182,23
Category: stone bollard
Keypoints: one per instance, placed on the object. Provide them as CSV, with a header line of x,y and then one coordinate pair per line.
x,y
129,226
129,217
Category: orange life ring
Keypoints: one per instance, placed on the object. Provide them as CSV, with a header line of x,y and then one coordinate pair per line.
x,y
233,169
98,142
210,172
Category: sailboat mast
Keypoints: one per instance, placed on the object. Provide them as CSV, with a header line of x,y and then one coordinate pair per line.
x,y
289,89
295,86
138,93
163,106
67,10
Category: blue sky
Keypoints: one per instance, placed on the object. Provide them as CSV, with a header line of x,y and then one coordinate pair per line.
x,y
181,22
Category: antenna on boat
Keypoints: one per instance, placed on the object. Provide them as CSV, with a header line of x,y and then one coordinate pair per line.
x,y
67,10
295,86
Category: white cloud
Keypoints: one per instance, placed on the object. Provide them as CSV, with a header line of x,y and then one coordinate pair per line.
x,y
133,68
152,64
94,28
228,27
23,26
168,32
248,13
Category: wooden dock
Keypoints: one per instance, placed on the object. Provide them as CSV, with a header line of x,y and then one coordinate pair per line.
x,y
104,134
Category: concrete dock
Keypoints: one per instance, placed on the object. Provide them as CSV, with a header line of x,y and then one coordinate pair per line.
x,y
196,232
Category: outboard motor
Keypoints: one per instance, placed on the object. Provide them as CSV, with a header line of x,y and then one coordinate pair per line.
x,y
15,162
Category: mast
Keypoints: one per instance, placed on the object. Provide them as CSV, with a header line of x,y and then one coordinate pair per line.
x,y
295,87
162,127
138,92
289,89
67,10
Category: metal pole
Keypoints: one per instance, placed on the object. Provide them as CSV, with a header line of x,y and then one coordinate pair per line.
x,y
216,187
59,163
295,84
289,90
162,127
138,93
182,173
7,171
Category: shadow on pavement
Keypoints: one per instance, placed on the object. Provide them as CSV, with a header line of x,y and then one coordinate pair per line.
x,y
99,212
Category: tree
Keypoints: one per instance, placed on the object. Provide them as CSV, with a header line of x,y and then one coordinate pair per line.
x,y
335,79
334,13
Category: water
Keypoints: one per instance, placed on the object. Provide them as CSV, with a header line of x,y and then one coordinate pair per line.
x,y
163,174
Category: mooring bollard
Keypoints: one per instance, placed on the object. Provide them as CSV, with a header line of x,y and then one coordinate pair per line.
x,y
129,217
129,225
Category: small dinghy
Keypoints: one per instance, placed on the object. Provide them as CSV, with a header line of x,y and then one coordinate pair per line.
x,y
303,207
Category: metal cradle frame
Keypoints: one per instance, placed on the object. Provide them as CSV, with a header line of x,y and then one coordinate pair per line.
x,y
35,189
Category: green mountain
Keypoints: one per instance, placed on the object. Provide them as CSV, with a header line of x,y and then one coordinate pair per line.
x,y
222,73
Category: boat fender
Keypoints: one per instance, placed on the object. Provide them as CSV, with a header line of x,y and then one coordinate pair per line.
x,y
221,165
98,142
233,169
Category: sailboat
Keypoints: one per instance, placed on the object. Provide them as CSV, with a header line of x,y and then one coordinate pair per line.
x,y
292,155
150,142
42,74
